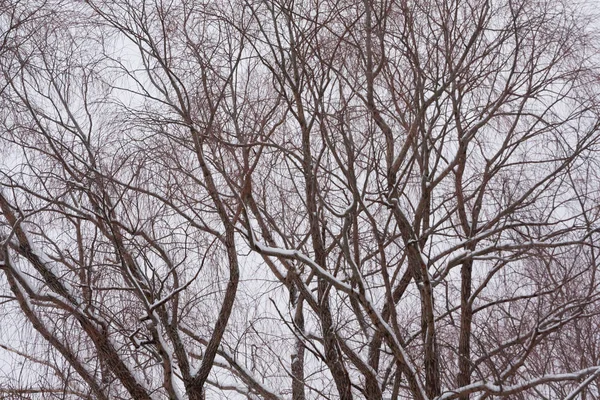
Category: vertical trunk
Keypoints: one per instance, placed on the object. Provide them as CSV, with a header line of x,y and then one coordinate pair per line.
x,y
372,389
386,313
432,373
333,357
196,393
332,353
298,357
464,341
197,383
420,273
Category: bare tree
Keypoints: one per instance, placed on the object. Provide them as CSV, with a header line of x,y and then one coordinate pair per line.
x,y
295,199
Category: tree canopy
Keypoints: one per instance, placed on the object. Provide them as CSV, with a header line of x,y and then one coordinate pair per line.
x,y
299,199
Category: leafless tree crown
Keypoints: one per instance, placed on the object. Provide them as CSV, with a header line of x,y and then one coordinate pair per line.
x,y
299,199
